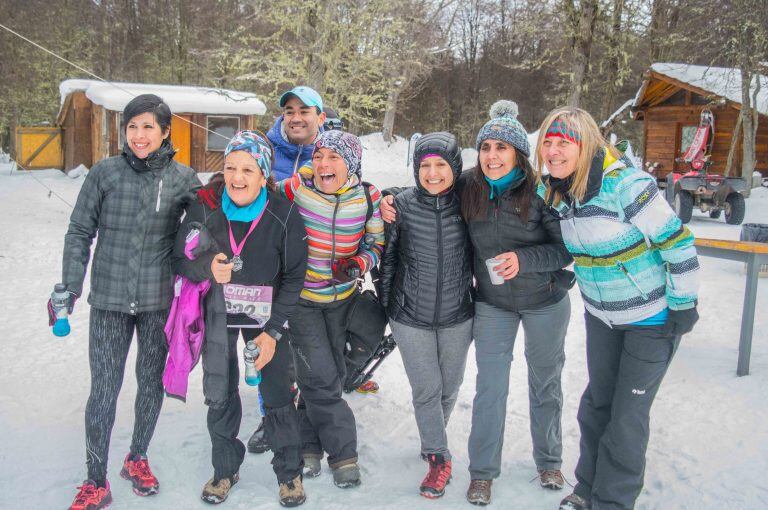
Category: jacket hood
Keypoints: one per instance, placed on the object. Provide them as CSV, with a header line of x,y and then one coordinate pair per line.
x,y
444,145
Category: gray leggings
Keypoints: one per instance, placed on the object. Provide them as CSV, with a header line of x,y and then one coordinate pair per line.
x,y
110,339
434,361
495,331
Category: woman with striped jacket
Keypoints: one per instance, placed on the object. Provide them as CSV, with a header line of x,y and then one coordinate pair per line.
x,y
637,271
345,241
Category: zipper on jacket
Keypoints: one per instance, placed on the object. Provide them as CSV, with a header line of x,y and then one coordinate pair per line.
x,y
159,191
438,296
296,163
632,279
333,243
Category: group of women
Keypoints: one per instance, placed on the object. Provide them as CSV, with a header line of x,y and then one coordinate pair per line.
x,y
468,255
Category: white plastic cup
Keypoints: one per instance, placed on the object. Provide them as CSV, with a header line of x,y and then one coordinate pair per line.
x,y
496,278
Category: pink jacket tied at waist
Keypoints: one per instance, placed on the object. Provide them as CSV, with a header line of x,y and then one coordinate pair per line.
x,y
185,328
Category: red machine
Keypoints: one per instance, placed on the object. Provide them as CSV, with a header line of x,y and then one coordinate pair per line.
x,y
711,193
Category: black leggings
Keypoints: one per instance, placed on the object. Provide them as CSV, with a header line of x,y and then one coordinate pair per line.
x,y
110,339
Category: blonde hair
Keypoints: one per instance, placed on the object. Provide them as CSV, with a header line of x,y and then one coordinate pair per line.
x,y
582,123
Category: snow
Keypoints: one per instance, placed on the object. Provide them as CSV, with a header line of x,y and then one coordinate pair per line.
x,y
708,448
721,81
181,99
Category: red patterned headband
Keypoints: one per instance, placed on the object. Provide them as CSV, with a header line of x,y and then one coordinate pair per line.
x,y
560,129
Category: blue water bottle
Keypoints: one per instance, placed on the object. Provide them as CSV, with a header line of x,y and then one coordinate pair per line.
x,y
60,304
250,355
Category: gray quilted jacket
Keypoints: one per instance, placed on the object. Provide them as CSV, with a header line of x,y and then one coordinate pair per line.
x,y
134,206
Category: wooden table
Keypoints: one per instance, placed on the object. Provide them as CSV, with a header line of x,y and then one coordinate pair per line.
x,y
754,254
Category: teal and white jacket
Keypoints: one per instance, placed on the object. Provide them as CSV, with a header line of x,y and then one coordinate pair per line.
x,y
633,257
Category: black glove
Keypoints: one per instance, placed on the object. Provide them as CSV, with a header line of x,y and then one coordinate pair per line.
x,y
680,322
346,270
199,241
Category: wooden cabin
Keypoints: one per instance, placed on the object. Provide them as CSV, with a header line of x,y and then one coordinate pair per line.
x,y
91,113
670,101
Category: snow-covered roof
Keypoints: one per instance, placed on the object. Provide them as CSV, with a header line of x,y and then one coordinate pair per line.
x,y
181,99
721,81
621,109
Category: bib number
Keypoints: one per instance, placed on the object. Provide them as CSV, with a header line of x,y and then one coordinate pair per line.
x,y
255,301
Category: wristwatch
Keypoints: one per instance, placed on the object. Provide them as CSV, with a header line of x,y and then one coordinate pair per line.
x,y
277,335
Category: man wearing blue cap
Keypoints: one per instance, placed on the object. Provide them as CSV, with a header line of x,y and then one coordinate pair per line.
x,y
294,133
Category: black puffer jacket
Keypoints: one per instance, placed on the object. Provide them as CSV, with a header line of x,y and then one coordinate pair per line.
x,y
537,242
426,271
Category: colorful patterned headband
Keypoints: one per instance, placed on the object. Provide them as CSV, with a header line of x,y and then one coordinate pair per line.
x,y
255,145
560,129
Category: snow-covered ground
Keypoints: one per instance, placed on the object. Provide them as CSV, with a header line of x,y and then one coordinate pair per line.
x,y
709,442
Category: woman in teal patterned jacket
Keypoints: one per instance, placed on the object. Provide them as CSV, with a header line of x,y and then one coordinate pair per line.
x,y
636,266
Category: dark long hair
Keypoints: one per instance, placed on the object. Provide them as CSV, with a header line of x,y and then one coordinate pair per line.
x,y
474,198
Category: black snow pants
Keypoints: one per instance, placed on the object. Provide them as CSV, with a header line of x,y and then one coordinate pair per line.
x,y
110,337
282,420
318,337
626,365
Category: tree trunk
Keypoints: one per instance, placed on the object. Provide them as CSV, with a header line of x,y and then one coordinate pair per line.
x,y
614,57
735,138
749,124
582,49
389,113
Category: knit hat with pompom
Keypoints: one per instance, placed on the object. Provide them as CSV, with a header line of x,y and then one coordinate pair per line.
x,y
504,126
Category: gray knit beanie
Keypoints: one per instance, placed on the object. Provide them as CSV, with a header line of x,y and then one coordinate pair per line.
x,y
504,126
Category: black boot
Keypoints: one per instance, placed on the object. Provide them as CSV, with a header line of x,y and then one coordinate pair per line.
x,y
258,442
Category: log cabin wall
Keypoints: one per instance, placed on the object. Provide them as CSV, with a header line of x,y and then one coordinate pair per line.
x,y
76,126
670,107
664,136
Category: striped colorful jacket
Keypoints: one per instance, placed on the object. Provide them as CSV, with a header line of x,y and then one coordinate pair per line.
x,y
336,225
632,256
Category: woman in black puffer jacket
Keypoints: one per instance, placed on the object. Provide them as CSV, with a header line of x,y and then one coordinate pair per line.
x,y
426,280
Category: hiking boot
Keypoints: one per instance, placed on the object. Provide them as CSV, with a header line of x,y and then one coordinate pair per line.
x,y
92,497
136,470
575,502
258,442
292,493
479,492
216,492
312,465
346,476
551,479
439,475
369,386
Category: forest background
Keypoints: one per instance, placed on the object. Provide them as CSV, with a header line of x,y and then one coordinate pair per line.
x,y
396,66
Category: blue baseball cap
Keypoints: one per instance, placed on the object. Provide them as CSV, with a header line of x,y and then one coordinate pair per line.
x,y
306,95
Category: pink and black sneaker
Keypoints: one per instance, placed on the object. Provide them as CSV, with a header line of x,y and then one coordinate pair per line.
x,y
136,470
92,497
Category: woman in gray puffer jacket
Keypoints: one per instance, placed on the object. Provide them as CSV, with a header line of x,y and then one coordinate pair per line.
x,y
133,202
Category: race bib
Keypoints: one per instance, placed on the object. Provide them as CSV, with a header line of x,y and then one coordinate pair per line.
x,y
255,301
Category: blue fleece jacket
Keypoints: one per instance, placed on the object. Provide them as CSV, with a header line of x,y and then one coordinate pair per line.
x,y
289,157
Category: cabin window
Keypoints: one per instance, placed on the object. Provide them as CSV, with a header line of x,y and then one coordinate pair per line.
x,y
220,130
686,137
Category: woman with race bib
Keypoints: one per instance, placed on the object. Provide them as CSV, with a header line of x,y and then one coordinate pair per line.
x,y
250,246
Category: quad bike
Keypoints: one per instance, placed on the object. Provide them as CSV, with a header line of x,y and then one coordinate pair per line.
x,y
709,192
